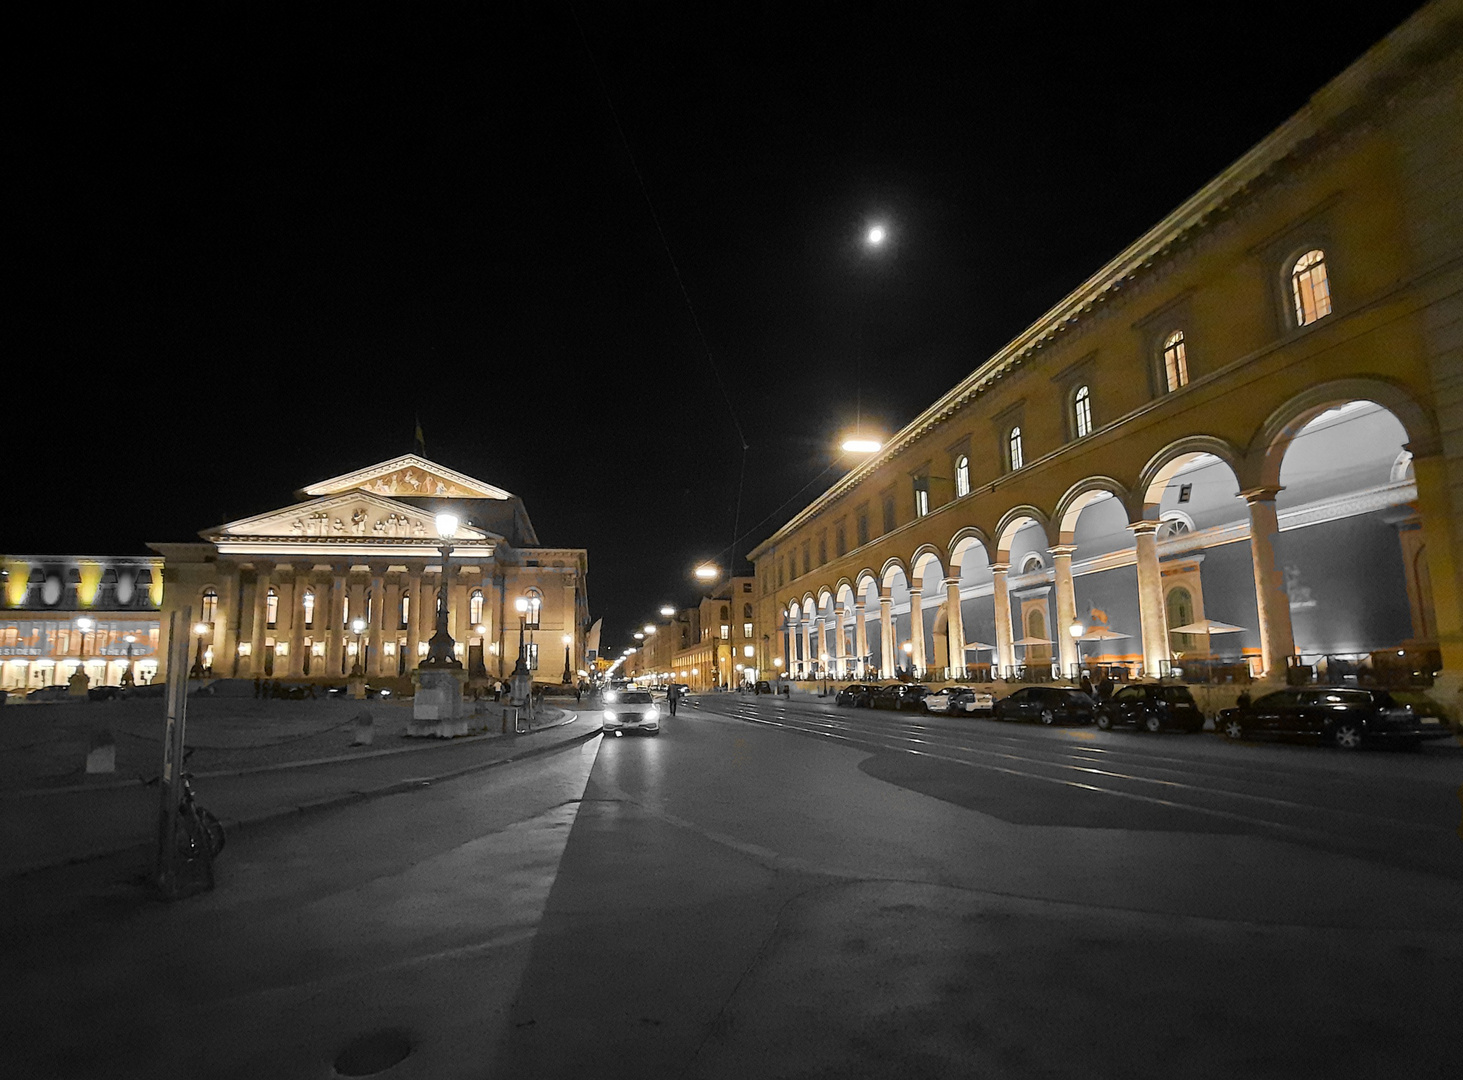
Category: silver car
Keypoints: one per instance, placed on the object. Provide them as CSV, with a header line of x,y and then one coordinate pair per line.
x,y
958,699
631,710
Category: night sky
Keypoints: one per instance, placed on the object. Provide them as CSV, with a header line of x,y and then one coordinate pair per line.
x,y
595,248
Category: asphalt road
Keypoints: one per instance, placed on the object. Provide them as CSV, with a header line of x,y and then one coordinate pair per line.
x,y
774,889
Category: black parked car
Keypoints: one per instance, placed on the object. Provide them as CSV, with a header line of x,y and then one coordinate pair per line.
x,y
899,696
1151,707
1342,716
855,695
1048,704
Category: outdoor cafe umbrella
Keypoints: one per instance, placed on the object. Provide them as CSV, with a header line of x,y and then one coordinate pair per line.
x,y
1032,641
1206,626
974,645
1101,633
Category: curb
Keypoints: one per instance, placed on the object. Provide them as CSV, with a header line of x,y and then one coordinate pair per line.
x,y
396,787
420,746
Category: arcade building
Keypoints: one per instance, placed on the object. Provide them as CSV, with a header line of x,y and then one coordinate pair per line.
x,y
343,581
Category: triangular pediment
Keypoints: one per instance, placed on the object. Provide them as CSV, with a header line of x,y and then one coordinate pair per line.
x,y
410,475
345,517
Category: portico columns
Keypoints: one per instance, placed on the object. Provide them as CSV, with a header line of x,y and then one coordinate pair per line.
x,y
256,631
954,627
1277,640
1441,523
886,633
377,621
1005,651
916,631
296,666
1066,605
840,646
1151,614
808,655
329,620
861,636
413,600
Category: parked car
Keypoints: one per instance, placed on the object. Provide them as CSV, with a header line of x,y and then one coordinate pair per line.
x,y
957,699
899,696
632,710
855,696
104,693
59,692
1342,716
1048,704
762,687
1151,707
372,691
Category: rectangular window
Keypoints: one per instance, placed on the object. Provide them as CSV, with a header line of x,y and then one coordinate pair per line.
x,y
863,529
746,630
823,550
807,556
888,513
531,649
921,496
840,540
725,632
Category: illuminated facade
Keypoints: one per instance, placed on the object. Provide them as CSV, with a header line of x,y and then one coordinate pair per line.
x,y
1248,424
279,594
714,644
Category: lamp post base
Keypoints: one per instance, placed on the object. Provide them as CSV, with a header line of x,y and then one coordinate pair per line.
x,y
437,709
79,684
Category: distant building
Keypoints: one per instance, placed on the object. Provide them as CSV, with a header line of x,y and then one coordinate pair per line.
x,y
714,644
276,594
1252,416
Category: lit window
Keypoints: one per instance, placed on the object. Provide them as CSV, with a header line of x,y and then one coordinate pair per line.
x,y
962,476
208,610
1175,364
531,653
746,630
405,610
921,502
308,603
1013,448
1311,288
535,606
725,631
271,608
1082,411
475,607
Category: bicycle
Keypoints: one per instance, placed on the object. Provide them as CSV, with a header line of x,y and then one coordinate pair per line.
x,y
199,835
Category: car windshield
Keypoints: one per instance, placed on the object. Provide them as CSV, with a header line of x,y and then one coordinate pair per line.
x,y
635,697
1178,694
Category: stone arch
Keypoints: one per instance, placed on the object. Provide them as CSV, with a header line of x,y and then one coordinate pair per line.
x,y
920,562
1012,522
963,541
887,571
1164,465
1081,495
1267,448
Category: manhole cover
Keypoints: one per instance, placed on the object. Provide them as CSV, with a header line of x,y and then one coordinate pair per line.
x,y
373,1053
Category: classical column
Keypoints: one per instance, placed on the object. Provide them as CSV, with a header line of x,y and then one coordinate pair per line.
x,y
917,630
1151,616
886,633
1066,605
413,614
808,654
840,645
954,628
1442,533
426,614
225,637
861,636
1005,651
329,621
256,632
1277,640
376,620
296,666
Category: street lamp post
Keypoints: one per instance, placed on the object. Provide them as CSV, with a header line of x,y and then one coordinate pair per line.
x,y
441,652
1077,630
358,627
908,648
79,682
568,640
196,672
127,677
436,710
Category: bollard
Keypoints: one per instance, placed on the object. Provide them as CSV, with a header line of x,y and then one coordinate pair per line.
x,y
364,729
102,757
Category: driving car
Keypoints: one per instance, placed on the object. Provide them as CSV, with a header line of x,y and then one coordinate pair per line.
x,y
855,696
1151,707
899,696
1047,704
957,699
631,710
1342,716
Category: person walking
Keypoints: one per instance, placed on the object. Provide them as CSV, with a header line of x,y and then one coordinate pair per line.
x,y
672,697
1104,687
1087,687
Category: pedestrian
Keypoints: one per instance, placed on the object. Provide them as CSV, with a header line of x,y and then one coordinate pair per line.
x,y
1087,687
672,696
1104,687
578,692
1243,701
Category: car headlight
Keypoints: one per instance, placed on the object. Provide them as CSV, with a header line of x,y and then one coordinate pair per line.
x,y
652,713
610,714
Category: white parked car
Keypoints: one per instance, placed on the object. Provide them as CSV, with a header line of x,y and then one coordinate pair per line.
x,y
631,710
958,699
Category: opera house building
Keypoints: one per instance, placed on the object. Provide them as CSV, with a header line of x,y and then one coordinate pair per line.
x,y
346,578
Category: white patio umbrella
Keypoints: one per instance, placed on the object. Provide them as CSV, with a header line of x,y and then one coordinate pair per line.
x,y
1101,633
1032,641
974,645
1206,626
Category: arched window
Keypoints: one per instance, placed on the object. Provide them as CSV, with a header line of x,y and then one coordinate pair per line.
x,y
1082,411
1175,362
1031,563
535,607
208,609
271,609
1311,288
725,612
1175,523
1013,448
405,609
1180,605
962,476
475,607
308,603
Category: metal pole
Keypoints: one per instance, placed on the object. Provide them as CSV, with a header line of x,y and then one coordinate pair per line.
x,y
170,784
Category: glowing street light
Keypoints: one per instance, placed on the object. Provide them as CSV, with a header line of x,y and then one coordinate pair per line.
x,y
358,627
708,572
196,672
667,611
649,629
876,235
860,445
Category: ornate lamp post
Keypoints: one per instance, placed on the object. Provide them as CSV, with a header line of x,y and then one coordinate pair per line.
x,y
358,627
127,677
908,648
196,671
568,640
1077,630
440,650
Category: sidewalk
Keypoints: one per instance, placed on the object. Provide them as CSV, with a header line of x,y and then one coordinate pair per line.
x,y
45,827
